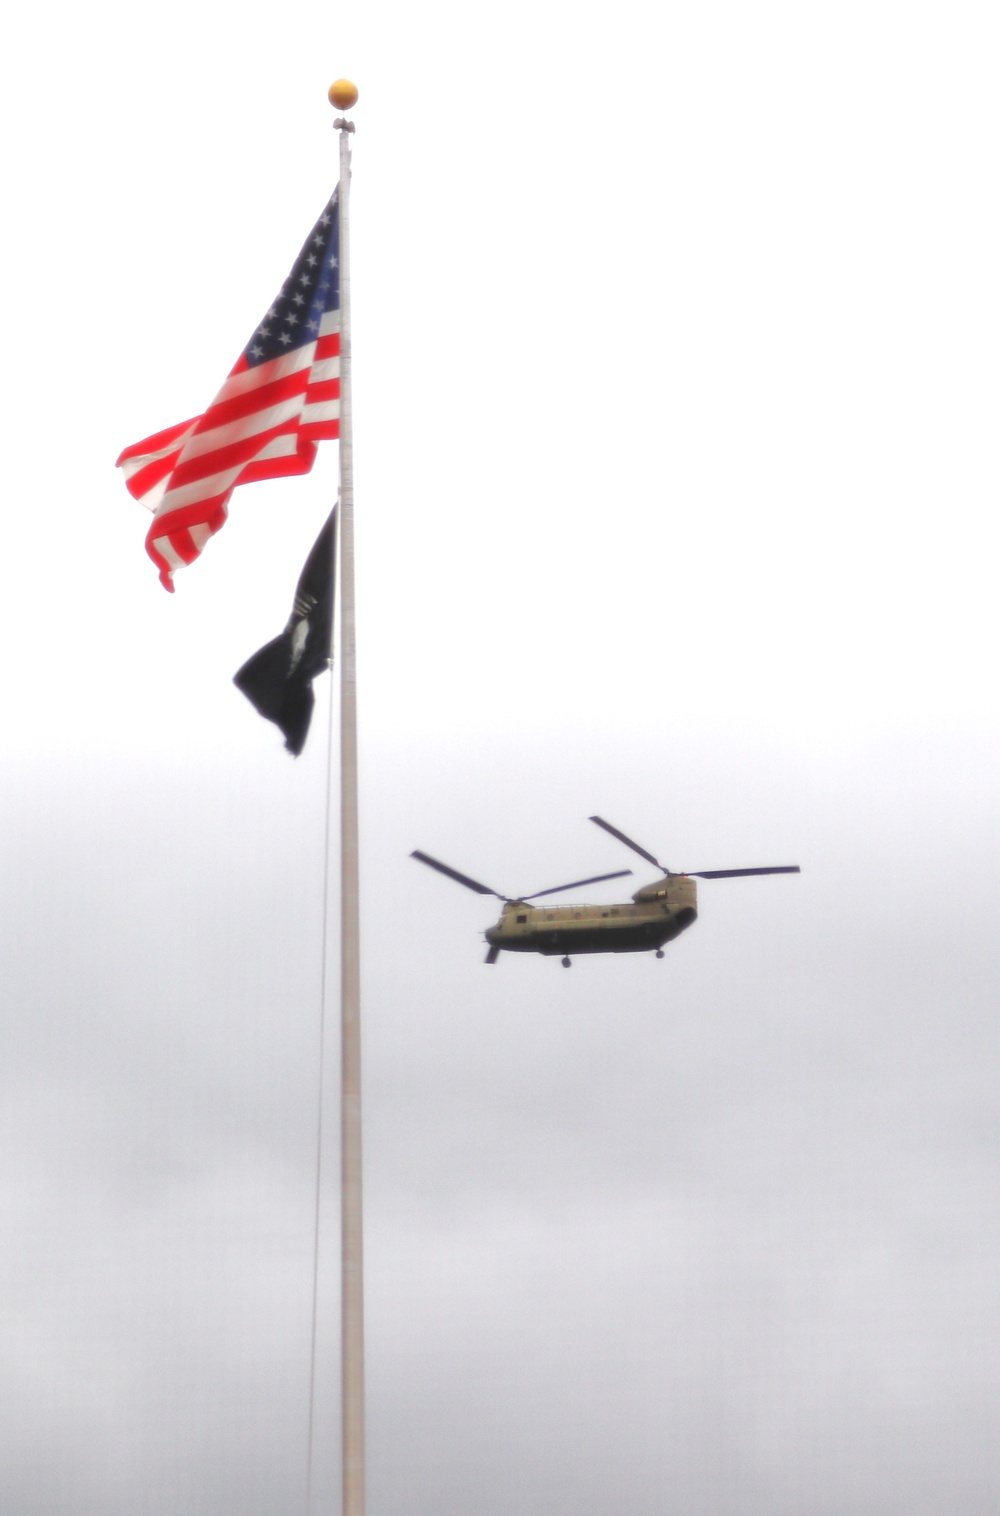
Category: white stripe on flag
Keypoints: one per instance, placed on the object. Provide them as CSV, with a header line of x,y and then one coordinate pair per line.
x,y
320,410
325,368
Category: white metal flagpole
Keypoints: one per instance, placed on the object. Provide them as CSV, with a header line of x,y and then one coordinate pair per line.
x,y
352,1342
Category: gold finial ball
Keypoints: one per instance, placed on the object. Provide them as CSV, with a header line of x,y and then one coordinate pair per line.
x,y
343,94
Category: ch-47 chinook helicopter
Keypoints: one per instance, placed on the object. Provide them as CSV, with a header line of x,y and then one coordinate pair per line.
x,y
659,912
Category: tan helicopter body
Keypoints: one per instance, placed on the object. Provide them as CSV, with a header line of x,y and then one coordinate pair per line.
x,y
658,913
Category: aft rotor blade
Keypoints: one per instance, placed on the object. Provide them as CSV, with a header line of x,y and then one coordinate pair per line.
x,y
629,843
577,884
470,884
786,868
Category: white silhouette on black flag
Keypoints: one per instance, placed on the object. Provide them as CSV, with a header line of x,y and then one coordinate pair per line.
x,y
277,680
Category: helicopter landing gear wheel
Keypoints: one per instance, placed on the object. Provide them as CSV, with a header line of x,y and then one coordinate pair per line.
x,y
659,952
566,963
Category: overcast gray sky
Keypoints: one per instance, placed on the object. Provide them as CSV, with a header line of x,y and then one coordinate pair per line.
x,y
676,404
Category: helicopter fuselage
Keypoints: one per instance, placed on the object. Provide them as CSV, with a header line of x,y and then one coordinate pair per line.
x,y
658,913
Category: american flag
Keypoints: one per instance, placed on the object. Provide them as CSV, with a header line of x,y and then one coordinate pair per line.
x,y
282,397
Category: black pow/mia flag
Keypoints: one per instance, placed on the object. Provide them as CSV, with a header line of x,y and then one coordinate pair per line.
x,y
277,680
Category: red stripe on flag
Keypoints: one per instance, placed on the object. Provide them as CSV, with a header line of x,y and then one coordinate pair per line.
x,y
323,389
221,412
183,545
149,477
204,465
156,443
211,513
319,431
300,462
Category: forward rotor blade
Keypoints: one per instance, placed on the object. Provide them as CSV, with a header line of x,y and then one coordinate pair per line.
x,y
577,884
629,843
470,884
788,868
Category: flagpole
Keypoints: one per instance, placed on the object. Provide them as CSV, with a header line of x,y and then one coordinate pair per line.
x,y
344,95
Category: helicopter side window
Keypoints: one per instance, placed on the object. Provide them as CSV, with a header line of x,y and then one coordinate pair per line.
x,y
521,918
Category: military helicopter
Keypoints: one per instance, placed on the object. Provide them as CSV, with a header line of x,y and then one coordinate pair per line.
x,y
660,911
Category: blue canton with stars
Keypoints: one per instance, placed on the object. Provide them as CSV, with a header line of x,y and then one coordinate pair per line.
x,y
311,289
